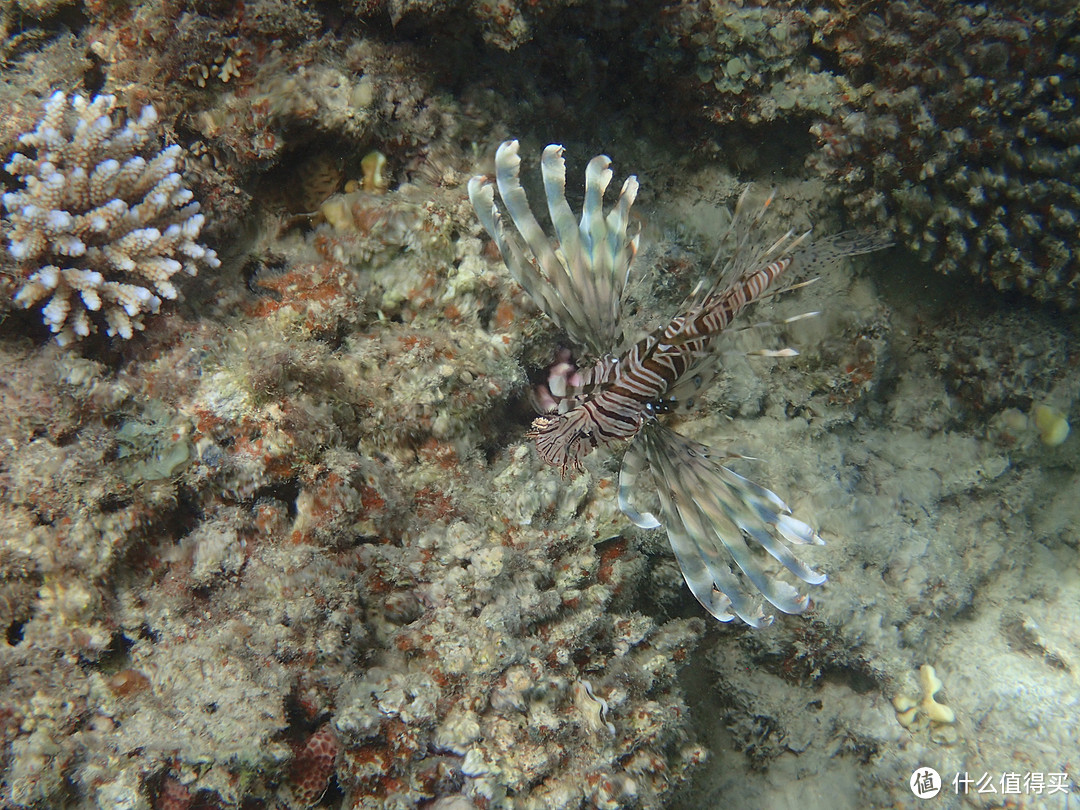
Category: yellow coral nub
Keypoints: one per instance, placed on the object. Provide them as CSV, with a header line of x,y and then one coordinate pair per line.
x,y
336,211
906,710
931,683
1051,423
916,715
372,165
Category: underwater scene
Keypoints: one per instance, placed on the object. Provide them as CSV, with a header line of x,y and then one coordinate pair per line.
x,y
527,404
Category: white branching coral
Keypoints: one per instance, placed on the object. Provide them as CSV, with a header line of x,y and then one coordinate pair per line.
x,y
103,211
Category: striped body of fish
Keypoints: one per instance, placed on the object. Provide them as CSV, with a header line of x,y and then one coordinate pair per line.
x,y
578,279
636,386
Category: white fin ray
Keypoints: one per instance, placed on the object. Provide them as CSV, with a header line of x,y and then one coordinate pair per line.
x,y
579,277
709,512
633,463
552,284
553,168
521,267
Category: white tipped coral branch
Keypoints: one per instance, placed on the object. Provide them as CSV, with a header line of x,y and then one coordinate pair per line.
x,y
102,212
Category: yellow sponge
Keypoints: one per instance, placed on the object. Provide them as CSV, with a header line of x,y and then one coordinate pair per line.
x,y
915,715
1051,423
931,684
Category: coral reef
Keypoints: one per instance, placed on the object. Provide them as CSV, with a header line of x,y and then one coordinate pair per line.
x,y
505,24
745,63
951,126
941,509
290,548
102,211
395,605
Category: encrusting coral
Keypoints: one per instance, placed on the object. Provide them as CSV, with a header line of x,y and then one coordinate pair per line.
x,y
949,125
102,212
964,140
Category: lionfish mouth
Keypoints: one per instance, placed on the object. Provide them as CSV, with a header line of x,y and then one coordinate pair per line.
x,y
563,377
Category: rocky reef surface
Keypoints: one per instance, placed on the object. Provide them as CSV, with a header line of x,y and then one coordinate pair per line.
x,y
286,546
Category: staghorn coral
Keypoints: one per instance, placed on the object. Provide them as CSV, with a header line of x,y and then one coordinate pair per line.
x,y
101,213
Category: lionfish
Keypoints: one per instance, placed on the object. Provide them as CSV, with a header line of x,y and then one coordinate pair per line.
x,y
711,513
